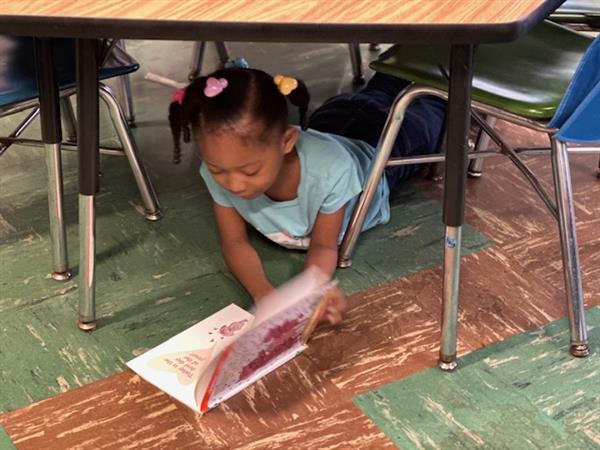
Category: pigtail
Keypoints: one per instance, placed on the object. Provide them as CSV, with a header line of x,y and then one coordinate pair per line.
x,y
176,125
300,97
184,112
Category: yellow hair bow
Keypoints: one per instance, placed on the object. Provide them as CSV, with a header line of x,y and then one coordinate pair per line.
x,y
285,84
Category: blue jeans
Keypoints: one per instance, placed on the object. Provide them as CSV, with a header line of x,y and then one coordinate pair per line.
x,y
362,115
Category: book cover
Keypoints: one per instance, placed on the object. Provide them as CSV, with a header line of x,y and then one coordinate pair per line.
x,y
226,352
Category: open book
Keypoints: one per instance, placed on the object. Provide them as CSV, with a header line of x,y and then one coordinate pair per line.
x,y
226,352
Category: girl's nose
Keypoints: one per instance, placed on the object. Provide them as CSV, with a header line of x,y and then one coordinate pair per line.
x,y
235,184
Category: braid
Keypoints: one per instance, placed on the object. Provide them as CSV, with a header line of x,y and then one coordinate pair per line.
x,y
175,124
184,114
300,97
192,105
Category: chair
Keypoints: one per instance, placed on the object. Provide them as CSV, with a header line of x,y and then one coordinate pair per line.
x,y
19,92
579,12
199,48
557,78
126,97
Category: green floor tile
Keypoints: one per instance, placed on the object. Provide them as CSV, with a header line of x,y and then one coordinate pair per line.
x,y
566,389
525,392
5,442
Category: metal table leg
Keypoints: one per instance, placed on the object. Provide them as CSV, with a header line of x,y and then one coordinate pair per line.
x,y
52,137
459,106
88,57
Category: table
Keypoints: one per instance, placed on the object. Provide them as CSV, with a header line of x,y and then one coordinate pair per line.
x,y
460,23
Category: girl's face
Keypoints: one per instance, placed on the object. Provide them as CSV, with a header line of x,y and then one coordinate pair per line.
x,y
246,168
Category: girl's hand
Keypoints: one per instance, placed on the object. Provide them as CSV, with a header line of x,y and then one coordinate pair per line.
x,y
259,295
335,307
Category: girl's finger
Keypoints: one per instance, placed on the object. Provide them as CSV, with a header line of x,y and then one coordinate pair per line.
x,y
334,317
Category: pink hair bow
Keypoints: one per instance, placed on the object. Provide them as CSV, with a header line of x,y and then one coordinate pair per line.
x,y
214,86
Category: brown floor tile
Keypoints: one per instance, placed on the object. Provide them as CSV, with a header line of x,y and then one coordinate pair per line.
x,y
341,427
121,411
499,298
387,334
502,205
542,256
125,411
294,391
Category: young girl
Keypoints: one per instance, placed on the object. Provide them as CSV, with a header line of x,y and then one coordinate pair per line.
x,y
296,186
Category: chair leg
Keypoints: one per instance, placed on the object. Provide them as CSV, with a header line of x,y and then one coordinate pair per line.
x,y
384,149
223,52
68,119
197,58
58,235
435,171
127,100
149,199
20,129
570,252
482,143
126,95
356,61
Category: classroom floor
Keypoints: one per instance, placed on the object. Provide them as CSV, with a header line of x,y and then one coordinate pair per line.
x,y
62,388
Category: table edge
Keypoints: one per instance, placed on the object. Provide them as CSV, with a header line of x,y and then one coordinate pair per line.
x,y
76,27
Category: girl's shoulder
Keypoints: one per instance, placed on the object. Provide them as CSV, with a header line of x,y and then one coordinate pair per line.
x,y
322,149
330,150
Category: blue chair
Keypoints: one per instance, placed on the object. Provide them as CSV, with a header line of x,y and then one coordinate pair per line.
x,y
575,119
19,92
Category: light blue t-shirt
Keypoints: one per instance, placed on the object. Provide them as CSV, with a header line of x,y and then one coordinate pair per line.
x,y
332,172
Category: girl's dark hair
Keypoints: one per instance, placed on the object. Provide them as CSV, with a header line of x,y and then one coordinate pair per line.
x,y
250,94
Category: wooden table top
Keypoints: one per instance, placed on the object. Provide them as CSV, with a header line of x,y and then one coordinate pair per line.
x,y
315,20
305,11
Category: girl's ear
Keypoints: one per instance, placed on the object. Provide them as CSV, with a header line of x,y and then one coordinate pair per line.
x,y
289,138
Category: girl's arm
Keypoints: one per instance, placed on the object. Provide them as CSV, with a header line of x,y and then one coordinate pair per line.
x,y
240,256
323,248
323,253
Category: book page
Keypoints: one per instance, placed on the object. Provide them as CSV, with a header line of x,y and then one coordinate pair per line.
x,y
273,340
177,365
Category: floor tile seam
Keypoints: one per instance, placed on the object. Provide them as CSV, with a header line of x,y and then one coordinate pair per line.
x,y
4,436
506,384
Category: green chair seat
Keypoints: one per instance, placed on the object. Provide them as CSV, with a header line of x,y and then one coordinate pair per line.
x,y
578,10
527,77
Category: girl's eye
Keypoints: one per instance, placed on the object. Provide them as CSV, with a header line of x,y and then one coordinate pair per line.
x,y
251,173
